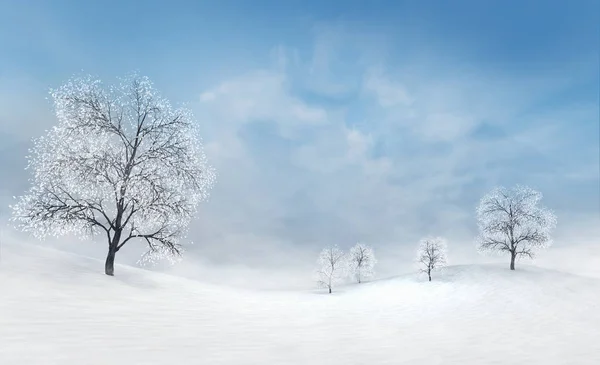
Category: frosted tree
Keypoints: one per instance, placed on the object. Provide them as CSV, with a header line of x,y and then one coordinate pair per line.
x,y
121,162
431,255
361,262
512,221
332,267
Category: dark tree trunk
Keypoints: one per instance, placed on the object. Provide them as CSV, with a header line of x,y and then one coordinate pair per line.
x,y
329,290
113,247
429,274
109,267
512,260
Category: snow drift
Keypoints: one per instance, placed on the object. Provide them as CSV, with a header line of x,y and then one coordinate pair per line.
x,y
59,308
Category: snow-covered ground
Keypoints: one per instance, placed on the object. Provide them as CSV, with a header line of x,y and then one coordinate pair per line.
x,y
58,308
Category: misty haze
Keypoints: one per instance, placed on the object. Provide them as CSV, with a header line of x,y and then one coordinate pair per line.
x,y
267,182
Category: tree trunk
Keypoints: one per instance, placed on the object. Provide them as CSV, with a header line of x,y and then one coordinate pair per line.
x,y
329,290
113,247
109,267
429,274
512,260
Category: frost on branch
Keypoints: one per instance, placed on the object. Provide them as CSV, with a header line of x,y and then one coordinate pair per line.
x,y
121,162
361,262
513,222
332,267
431,255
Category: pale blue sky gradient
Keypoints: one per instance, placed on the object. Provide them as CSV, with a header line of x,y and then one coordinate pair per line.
x,y
336,121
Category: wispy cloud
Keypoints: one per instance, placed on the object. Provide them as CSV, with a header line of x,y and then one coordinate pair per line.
x,y
428,145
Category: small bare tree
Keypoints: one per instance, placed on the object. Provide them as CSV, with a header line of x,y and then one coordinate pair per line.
x,y
511,221
431,255
361,262
121,162
332,267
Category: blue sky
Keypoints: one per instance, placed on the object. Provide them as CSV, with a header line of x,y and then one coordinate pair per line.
x,y
336,121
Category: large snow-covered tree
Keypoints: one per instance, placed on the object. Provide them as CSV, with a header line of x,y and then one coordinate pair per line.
x,y
361,262
431,255
121,162
512,221
332,267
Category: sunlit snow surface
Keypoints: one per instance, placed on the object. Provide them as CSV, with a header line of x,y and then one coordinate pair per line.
x,y
58,308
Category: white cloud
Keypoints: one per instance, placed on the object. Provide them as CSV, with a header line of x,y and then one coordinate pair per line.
x,y
387,92
358,143
259,96
446,126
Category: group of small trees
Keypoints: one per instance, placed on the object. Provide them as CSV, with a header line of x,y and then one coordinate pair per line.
x,y
511,221
336,265
123,163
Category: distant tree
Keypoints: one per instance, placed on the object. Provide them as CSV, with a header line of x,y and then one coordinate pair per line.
x,y
512,221
361,262
431,255
332,267
120,162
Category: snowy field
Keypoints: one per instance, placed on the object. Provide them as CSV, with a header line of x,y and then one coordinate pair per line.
x,y
59,308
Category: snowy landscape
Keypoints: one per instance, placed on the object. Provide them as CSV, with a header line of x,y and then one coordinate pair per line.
x,y
56,309
388,185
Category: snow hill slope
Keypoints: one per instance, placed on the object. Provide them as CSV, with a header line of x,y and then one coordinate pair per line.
x,y
57,308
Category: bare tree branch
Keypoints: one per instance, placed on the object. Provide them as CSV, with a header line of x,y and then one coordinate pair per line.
x,y
431,255
332,267
361,262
